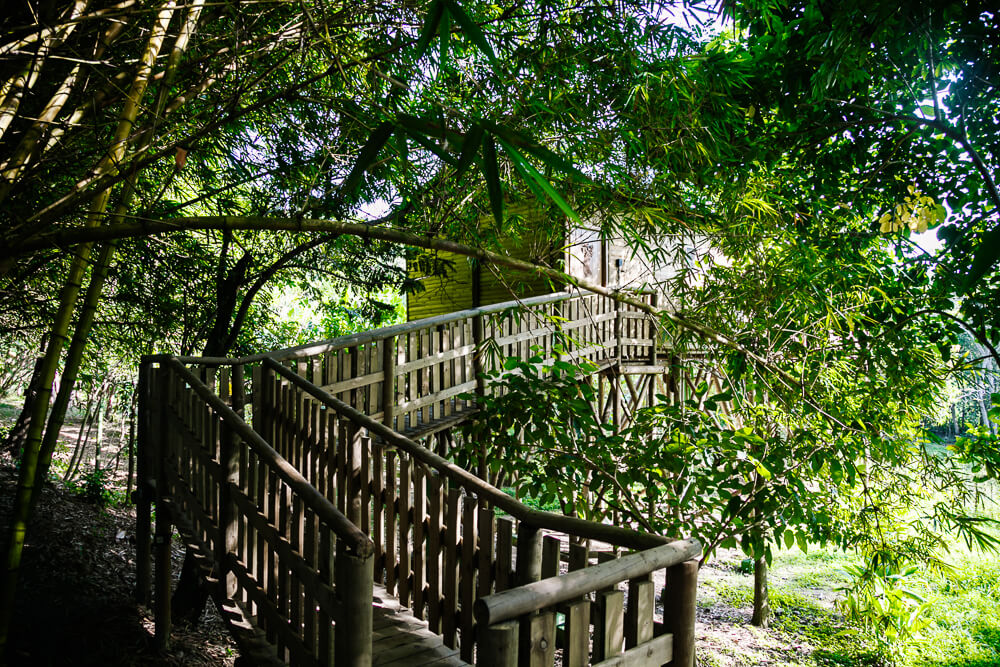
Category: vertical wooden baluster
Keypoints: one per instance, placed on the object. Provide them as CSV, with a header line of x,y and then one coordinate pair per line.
x,y
378,508
358,366
505,551
325,633
550,556
228,514
435,498
260,484
419,533
467,582
366,485
270,497
434,371
639,615
452,519
295,591
162,579
331,451
447,381
542,640
412,384
309,546
374,352
244,484
424,374
284,525
391,508
403,575
577,635
389,381
608,626
487,531
341,454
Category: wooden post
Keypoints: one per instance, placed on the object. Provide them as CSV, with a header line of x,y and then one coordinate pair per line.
x,y
257,378
352,441
529,569
389,381
161,551
498,646
239,399
144,484
679,604
353,634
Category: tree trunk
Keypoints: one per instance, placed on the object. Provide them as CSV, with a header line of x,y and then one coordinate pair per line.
x,y
28,478
74,358
18,434
761,603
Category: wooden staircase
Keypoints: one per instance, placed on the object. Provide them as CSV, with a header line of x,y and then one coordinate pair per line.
x,y
331,535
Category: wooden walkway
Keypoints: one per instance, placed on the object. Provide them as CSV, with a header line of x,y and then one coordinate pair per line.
x,y
399,639
332,529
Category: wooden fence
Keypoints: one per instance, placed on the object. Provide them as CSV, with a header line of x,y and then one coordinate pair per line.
x,y
297,517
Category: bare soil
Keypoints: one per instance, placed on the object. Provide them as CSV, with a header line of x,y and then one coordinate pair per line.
x,y
75,601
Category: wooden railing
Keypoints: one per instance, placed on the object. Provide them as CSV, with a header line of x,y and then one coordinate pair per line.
x,y
283,558
444,538
420,369
333,458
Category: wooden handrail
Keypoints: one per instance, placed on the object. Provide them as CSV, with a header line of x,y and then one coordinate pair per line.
x,y
615,535
312,349
356,541
515,602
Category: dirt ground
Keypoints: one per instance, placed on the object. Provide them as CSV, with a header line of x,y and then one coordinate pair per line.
x,y
75,593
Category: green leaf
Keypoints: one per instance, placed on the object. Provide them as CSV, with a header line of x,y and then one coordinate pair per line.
x,y
424,141
470,146
532,147
986,257
471,30
366,157
445,40
491,172
537,182
434,13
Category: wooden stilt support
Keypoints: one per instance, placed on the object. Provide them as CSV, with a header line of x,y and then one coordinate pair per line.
x,y
161,552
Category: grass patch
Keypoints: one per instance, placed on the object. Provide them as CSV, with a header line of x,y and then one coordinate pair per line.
x,y
965,615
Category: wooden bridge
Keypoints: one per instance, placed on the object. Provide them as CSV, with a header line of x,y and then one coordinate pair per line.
x,y
313,485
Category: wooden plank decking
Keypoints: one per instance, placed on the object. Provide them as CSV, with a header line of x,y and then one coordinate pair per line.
x,y
399,639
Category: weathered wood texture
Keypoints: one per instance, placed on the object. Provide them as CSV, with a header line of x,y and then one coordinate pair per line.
x,y
276,547
283,512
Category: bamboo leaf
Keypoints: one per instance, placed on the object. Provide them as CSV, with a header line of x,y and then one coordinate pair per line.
x,y
445,39
471,30
424,141
366,157
491,172
537,182
532,147
434,14
470,146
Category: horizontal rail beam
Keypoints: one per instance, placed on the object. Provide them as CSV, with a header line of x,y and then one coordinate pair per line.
x,y
356,541
615,535
312,349
518,601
